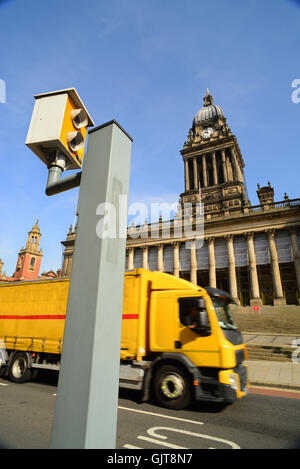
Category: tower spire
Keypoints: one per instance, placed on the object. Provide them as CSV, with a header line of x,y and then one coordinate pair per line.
x,y
208,99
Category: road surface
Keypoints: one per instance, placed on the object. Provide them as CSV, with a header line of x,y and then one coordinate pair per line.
x,y
266,418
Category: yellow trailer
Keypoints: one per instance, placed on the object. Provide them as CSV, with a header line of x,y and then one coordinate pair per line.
x,y
165,349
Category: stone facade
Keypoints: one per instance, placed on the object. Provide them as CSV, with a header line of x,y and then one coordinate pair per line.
x,y
252,251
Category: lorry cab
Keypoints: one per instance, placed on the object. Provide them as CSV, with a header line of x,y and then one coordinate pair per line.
x,y
199,359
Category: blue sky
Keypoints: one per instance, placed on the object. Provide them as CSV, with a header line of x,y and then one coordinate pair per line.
x,y
147,64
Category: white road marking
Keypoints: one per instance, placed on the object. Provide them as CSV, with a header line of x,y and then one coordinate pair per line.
x,y
131,447
3,384
158,438
162,443
161,415
152,432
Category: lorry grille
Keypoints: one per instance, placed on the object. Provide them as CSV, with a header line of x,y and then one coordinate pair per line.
x,y
242,372
239,356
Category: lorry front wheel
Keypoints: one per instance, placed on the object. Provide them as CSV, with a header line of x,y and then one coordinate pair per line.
x,y
19,371
172,388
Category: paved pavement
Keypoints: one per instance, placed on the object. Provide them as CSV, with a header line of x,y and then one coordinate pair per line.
x,y
279,374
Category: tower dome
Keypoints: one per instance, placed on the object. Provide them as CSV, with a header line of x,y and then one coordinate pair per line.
x,y
210,112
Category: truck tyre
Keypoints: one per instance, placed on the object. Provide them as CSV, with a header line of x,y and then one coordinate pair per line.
x,y
18,370
171,387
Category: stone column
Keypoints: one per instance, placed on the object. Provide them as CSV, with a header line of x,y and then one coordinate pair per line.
x,y
70,262
64,267
229,169
224,166
212,263
195,170
237,169
204,169
214,165
130,259
279,298
145,257
160,257
193,260
296,254
176,259
254,284
186,174
231,269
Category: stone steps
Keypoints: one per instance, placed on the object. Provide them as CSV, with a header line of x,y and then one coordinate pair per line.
x,y
274,320
269,352
268,320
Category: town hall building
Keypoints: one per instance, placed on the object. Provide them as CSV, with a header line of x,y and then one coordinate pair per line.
x,y
251,251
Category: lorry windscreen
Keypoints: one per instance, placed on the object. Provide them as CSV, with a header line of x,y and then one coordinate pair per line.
x,y
224,317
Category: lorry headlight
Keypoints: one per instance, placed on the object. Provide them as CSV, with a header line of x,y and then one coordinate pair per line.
x,y
233,382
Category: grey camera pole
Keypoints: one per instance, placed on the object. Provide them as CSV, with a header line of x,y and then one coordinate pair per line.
x,y
87,396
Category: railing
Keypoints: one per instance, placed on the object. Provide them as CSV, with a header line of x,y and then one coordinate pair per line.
x,y
282,204
156,227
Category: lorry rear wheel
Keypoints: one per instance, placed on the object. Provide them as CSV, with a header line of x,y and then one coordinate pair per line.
x,y
19,371
172,387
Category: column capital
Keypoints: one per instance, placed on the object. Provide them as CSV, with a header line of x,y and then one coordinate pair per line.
x,y
249,235
210,239
130,249
229,237
270,233
175,244
145,247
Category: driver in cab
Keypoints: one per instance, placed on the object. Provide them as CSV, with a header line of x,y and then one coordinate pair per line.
x,y
191,318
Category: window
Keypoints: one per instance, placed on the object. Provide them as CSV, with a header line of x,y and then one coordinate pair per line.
x,y
189,314
224,317
32,262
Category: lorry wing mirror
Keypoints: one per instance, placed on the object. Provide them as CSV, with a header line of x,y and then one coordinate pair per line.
x,y
201,303
203,319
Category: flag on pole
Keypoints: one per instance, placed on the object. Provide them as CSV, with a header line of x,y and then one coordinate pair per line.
x,y
199,190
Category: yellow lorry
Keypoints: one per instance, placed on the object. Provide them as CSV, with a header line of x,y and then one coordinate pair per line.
x,y
179,341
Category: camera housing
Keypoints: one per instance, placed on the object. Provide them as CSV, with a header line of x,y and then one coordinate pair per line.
x,y
59,123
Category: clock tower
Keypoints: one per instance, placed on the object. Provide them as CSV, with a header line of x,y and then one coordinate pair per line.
x,y
30,257
214,163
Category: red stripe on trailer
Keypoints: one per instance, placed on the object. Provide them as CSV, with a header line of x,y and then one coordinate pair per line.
x,y
34,316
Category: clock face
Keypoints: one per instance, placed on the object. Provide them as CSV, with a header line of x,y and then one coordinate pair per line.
x,y
206,133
